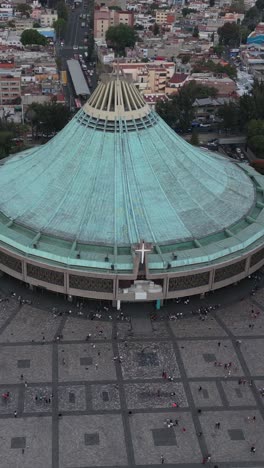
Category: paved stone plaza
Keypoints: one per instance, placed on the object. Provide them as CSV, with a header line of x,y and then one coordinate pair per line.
x,y
91,389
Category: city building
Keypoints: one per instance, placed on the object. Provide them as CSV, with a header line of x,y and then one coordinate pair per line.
x,y
105,17
149,77
47,18
256,37
6,13
23,23
118,207
10,86
165,17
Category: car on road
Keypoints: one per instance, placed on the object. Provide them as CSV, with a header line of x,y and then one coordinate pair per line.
x,y
83,24
75,47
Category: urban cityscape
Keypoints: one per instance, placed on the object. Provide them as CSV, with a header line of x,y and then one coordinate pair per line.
x,y
131,233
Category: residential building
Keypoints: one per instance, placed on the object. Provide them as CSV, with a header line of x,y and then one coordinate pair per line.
x,y
224,85
105,55
6,13
10,87
165,17
149,77
22,24
47,18
175,83
257,36
104,18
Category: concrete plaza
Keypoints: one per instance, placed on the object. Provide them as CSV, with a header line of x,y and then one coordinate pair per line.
x,y
88,387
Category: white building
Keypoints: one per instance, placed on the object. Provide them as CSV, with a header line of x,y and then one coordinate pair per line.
x,y
6,13
47,19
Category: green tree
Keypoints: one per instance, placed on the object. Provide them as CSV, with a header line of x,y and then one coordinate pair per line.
x,y
211,3
186,11
156,29
115,7
60,27
11,24
185,59
32,36
252,17
251,106
209,65
47,118
195,31
36,25
260,5
5,143
139,27
229,35
218,50
58,61
120,37
62,11
178,112
256,143
24,9
237,6
229,113
255,127
194,139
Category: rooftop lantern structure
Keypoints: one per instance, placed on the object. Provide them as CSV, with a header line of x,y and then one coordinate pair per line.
x,y
77,213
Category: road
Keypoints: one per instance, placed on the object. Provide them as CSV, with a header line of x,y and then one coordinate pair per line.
x,y
74,44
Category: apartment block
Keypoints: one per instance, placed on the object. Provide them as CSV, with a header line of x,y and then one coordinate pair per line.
x,y
104,18
10,87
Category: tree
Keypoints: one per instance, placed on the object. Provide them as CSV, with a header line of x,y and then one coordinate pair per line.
x,y
237,6
62,11
115,7
139,27
209,65
120,37
178,112
11,24
229,113
60,27
32,36
194,139
255,127
252,17
185,59
257,144
251,106
47,118
186,11
211,3
229,35
156,29
24,9
5,143
195,31
260,5
218,50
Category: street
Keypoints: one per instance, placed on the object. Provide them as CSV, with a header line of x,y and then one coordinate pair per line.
x,y
74,45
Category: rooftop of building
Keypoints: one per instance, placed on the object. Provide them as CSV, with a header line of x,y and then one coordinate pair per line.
x,y
117,174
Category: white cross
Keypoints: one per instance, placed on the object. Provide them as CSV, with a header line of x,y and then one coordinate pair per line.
x,y
142,251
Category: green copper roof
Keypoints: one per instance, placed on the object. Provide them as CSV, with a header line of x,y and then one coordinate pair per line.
x,y
113,182
122,187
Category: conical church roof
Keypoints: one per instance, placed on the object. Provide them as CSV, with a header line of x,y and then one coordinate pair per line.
x,y
117,174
